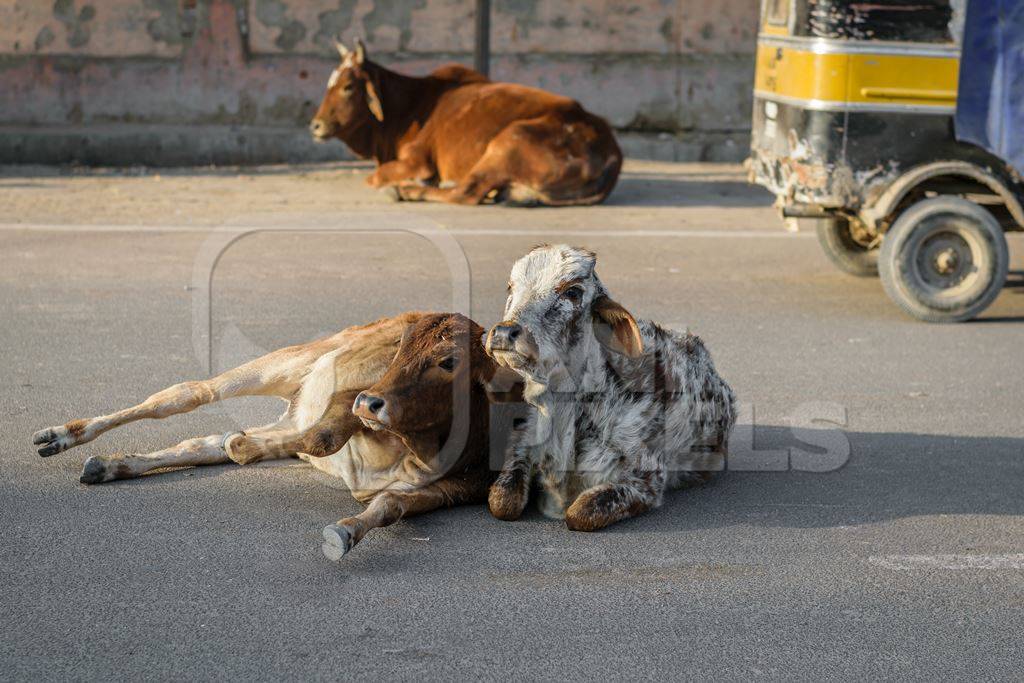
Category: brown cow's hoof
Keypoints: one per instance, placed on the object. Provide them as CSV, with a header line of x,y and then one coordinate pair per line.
x,y
393,193
337,542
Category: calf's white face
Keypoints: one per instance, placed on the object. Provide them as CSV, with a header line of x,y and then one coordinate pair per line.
x,y
556,304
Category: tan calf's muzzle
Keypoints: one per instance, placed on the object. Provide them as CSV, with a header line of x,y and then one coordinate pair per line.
x,y
368,407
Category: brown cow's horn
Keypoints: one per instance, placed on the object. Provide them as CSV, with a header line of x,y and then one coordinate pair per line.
x,y
360,51
342,50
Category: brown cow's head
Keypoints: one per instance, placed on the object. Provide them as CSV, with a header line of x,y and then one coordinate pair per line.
x,y
352,100
440,360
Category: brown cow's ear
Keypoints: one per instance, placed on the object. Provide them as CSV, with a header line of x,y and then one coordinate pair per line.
x,y
342,50
373,100
616,327
360,52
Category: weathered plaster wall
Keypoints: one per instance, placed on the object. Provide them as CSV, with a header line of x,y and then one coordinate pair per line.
x,y
682,68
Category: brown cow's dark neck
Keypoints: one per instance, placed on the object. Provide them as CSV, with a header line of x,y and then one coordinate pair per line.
x,y
405,100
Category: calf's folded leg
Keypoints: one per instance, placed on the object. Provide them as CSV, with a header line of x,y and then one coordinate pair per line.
x,y
511,490
388,507
637,492
325,437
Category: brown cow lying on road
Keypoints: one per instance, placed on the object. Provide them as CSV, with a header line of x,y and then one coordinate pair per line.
x,y
396,408
455,136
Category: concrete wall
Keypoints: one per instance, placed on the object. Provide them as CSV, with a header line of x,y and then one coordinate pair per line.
x,y
177,81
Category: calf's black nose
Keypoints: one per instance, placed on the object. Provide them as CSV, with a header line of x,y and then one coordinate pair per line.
x,y
369,403
504,335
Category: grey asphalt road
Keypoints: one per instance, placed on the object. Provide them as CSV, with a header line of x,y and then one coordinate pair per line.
x,y
907,561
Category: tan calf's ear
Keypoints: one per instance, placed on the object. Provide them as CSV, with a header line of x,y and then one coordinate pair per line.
x,y
373,101
616,327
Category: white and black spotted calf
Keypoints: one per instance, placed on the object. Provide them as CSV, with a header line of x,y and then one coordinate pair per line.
x,y
620,408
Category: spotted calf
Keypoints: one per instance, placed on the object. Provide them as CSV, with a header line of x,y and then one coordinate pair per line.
x,y
620,409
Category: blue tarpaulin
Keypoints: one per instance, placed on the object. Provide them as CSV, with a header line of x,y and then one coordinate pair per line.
x,y
990,102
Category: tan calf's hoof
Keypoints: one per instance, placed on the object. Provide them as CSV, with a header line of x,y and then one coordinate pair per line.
x,y
337,542
53,440
94,471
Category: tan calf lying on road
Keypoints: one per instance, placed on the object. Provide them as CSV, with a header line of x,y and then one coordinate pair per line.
x,y
397,408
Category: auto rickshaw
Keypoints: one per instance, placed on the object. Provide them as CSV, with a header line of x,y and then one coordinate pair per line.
x,y
898,128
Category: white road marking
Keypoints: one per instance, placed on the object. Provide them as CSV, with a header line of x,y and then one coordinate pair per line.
x,y
703,233
948,562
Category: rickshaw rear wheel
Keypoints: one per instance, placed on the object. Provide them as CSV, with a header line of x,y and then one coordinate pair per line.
x,y
945,259
844,251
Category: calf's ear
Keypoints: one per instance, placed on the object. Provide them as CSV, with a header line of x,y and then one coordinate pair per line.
x,y
373,100
616,327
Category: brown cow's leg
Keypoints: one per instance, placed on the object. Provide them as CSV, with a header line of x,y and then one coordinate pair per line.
x,y
388,507
481,184
411,166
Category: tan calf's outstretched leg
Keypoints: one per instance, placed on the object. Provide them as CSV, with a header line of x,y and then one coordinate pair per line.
x,y
276,374
204,450
388,507
272,442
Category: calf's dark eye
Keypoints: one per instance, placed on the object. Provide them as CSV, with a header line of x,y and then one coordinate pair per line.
x,y
573,294
448,364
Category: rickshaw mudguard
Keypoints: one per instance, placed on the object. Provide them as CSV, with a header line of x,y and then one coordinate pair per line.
x,y
886,203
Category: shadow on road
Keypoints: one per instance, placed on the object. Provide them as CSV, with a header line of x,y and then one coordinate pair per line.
x,y
670,190
888,476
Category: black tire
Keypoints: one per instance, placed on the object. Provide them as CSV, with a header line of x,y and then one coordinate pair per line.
x,y
849,256
944,260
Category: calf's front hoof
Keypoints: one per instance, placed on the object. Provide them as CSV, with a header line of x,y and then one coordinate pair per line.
x,y
506,502
337,542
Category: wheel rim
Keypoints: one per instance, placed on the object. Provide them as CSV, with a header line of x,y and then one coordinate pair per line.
x,y
949,259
